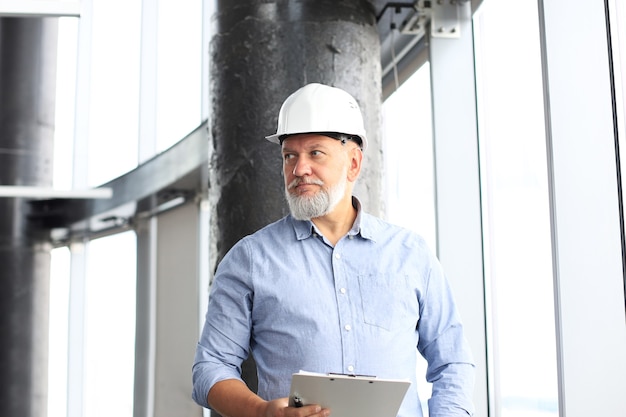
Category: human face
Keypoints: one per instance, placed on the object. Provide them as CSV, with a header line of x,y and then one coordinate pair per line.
x,y
316,175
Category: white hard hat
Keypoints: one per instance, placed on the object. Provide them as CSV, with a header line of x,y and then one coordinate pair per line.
x,y
319,108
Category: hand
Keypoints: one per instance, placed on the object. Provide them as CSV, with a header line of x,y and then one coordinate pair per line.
x,y
280,408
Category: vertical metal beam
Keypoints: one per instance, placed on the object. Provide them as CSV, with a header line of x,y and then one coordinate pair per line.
x,y
204,278
76,329
208,8
204,271
147,230
584,204
457,183
27,86
177,322
79,251
146,326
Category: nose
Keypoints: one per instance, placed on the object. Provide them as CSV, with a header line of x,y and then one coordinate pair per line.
x,y
301,167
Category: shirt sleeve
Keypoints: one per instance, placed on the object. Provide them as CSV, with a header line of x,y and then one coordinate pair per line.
x,y
224,343
443,345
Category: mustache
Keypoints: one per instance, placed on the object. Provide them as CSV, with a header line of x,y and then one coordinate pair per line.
x,y
298,181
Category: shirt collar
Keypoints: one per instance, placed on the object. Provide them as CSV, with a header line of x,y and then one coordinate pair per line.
x,y
362,226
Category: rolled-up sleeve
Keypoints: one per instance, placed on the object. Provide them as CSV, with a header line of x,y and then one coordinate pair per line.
x,y
443,344
224,343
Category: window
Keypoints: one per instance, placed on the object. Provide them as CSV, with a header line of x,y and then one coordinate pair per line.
x,y
58,332
110,326
179,70
408,150
409,173
617,13
516,217
114,89
98,121
65,103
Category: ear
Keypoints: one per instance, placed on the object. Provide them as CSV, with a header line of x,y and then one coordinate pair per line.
x,y
355,156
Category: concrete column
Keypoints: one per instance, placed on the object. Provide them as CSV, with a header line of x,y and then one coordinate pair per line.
x,y
260,53
27,91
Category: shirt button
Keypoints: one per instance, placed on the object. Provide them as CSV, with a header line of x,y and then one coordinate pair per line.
x,y
343,290
350,368
348,327
337,256
351,237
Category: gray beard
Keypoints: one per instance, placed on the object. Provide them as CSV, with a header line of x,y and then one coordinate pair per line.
x,y
318,205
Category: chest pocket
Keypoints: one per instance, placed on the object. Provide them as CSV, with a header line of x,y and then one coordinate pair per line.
x,y
386,300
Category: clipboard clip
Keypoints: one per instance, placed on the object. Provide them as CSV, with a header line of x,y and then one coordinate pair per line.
x,y
351,375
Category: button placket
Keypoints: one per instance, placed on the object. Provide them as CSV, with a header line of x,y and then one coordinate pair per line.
x,y
345,309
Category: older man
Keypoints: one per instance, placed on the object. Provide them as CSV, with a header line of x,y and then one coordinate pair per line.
x,y
328,288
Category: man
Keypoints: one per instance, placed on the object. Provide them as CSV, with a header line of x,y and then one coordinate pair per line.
x,y
328,288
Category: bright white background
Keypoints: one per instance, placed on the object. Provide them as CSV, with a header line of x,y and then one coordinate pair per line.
x,y
513,171
113,120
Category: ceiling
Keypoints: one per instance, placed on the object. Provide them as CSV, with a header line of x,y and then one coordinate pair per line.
x,y
402,27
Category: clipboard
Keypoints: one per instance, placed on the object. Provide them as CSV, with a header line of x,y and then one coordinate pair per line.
x,y
349,395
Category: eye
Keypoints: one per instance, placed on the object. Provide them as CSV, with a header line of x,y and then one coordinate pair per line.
x,y
288,156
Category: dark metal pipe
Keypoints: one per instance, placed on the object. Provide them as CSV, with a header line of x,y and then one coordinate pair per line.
x,y
263,51
27,91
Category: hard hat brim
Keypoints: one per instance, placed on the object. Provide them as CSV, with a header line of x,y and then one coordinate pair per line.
x,y
276,138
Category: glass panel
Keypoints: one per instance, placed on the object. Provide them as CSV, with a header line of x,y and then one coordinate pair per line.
x,y
408,143
110,326
58,331
617,13
409,171
516,220
65,103
114,105
179,70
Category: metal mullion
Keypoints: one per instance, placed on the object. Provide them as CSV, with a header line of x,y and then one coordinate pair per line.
x,y
457,184
76,327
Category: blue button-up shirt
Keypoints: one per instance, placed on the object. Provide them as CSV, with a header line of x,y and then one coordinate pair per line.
x,y
294,301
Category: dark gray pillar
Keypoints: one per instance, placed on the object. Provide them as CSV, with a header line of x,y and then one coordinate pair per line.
x,y
27,90
263,51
